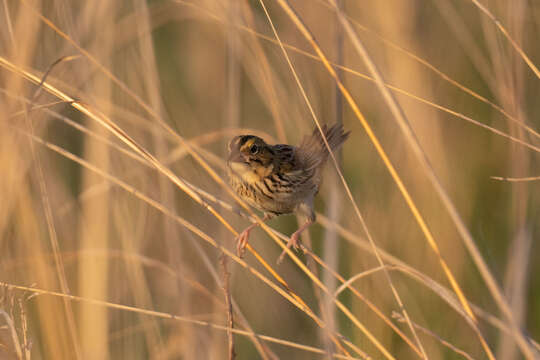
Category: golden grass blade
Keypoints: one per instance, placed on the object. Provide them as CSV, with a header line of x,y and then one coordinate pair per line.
x,y
350,237
511,179
286,292
173,156
193,284
437,337
331,250
229,308
298,82
88,56
228,207
298,21
108,124
264,351
435,70
396,89
117,131
466,236
124,137
197,142
48,71
427,233
438,289
159,207
158,314
51,228
347,235
270,83
347,284
505,33
13,332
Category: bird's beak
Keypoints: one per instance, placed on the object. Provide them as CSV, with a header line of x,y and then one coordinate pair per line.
x,y
236,156
234,153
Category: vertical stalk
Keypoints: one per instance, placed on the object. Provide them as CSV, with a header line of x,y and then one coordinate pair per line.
x,y
330,244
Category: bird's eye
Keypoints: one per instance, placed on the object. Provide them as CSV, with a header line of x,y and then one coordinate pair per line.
x,y
254,149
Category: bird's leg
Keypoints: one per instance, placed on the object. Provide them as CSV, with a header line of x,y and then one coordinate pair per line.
x,y
294,241
243,237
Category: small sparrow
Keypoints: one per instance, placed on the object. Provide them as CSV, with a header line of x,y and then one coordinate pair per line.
x,y
280,179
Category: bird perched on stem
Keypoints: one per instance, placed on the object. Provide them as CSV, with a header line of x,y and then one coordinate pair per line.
x,y
280,179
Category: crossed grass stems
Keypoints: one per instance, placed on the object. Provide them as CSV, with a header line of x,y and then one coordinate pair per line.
x,y
119,133
283,288
198,142
216,161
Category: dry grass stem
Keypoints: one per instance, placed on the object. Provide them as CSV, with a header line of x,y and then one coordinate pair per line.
x,y
435,336
163,315
228,304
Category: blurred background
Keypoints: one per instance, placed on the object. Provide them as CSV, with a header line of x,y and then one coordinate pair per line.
x,y
82,213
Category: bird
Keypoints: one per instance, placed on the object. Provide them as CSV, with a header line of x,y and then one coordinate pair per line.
x,y
280,179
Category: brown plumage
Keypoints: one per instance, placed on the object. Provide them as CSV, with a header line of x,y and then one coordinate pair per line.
x,y
280,179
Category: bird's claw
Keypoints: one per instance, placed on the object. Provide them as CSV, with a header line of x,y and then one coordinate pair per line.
x,y
294,242
241,243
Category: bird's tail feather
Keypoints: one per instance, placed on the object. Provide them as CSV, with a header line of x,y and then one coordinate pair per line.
x,y
313,151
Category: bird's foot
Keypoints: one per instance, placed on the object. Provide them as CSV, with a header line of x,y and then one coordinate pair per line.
x,y
294,242
241,242
242,238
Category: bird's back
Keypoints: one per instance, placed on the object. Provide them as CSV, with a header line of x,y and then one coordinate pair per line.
x,y
299,173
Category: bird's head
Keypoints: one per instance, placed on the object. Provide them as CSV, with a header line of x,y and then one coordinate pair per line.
x,y
250,157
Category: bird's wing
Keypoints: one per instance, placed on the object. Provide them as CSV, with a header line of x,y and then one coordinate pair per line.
x,y
292,170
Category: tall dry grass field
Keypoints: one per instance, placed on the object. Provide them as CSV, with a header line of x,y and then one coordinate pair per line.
x,y
117,226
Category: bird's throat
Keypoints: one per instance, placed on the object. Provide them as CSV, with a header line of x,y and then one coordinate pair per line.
x,y
244,171
249,174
